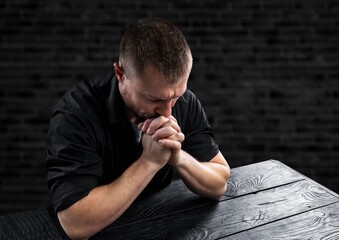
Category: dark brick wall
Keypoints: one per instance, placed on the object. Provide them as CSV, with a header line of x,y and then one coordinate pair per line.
x,y
266,72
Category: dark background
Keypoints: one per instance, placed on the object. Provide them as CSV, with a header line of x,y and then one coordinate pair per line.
x,y
266,72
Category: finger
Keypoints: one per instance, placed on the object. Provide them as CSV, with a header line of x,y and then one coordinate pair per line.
x,y
168,133
180,137
167,143
146,124
172,118
165,132
156,124
172,124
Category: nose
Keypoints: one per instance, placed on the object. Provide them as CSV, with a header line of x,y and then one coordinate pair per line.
x,y
165,108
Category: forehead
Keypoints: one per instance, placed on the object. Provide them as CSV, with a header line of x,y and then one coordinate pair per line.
x,y
153,84
166,93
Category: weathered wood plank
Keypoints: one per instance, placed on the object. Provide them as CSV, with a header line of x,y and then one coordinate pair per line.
x,y
176,197
259,176
309,179
321,223
228,217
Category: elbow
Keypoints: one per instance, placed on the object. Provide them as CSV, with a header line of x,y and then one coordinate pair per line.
x,y
219,193
76,234
227,174
72,230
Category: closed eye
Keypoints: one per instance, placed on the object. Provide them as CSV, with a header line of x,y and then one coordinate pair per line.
x,y
156,100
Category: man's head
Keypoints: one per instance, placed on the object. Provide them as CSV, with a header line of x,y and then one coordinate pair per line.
x,y
155,42
154,65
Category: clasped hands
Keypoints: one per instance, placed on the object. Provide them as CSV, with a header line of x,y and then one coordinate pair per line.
x,y
166,135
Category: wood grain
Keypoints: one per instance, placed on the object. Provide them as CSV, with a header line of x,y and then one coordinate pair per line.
x,y
230,216
321,223
177,197
259,176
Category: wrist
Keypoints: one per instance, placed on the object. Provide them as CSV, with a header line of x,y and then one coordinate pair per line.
x,y
148,164
178,159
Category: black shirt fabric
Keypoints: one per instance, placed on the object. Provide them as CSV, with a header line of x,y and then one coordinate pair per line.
x,y
91,143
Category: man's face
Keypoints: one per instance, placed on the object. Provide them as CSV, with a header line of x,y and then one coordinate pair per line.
x,y
148,95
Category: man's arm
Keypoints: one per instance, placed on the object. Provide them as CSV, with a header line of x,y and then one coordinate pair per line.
x,y
208,179
104,204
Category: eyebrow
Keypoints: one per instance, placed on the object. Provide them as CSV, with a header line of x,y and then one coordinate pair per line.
x,y
153,98
159,99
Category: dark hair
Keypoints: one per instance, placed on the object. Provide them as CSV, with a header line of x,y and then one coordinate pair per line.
x,y
155,42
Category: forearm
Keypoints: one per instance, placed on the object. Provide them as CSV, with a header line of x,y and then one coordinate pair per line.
x,y
105,204
208,179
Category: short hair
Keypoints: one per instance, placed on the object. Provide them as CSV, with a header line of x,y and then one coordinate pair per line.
x,y
155,42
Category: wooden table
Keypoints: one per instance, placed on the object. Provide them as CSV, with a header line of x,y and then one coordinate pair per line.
x,y
266,200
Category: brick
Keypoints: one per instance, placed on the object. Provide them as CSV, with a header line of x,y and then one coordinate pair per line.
x,y
265,71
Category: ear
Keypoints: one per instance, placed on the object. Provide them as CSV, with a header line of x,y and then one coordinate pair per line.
x,y
119,72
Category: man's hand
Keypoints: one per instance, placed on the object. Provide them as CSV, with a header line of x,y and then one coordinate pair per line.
x,y
153,152
208,179
152,125
167,133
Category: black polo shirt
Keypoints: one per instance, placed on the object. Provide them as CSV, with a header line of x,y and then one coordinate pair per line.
x,y
90,142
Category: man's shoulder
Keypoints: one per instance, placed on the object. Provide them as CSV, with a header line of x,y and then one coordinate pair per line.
x,y
102,80
187,97
187,100
87,95
186,105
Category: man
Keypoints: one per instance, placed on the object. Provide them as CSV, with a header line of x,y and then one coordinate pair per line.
x,y
116,137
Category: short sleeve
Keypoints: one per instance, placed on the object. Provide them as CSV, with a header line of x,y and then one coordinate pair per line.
x,y
73,164
199,140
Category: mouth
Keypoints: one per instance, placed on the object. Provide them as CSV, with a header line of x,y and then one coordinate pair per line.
x,y
139,118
